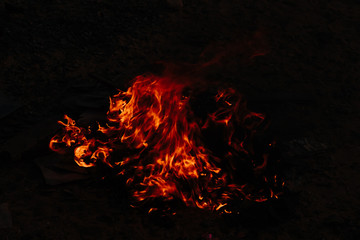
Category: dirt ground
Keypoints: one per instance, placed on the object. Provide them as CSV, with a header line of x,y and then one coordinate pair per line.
x,y
66,57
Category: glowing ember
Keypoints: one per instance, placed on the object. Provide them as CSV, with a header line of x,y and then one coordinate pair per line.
x,y
165,149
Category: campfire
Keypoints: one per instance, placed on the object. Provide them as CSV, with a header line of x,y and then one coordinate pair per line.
x,y
172,141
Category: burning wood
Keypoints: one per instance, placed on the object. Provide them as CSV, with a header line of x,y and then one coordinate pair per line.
x,y
171,142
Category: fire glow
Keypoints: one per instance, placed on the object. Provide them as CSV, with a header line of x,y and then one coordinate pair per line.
x,y
165,149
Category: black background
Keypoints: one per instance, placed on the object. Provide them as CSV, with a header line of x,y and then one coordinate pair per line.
x,y
60,57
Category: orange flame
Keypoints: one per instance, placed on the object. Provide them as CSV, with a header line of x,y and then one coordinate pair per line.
x,y
163,151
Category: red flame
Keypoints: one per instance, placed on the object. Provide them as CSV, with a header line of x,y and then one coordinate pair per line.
x,y
164,149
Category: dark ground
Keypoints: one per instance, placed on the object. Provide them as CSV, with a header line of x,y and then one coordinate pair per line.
x,y
67,56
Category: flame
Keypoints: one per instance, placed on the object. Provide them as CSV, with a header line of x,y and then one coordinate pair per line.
x,y
162,147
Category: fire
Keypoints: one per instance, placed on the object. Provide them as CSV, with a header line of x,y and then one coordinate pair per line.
x,y
164,149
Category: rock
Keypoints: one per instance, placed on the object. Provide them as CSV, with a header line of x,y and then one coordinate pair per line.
x,y
58,170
